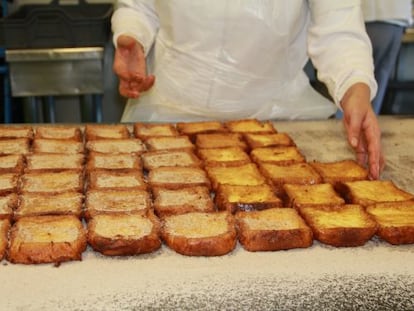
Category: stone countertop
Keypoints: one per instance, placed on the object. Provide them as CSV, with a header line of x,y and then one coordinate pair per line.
x,y
376,276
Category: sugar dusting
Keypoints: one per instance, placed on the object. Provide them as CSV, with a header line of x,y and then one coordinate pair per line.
x,y
375,276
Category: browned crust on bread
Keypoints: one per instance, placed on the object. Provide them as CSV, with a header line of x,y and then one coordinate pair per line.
x,y
284,155
24,252
191,199
228,156
169,143
116,179
255,140
16,132
397,235
235,175
220,140
368,192
106,131
275,239
340,235
108,201
52,182
178,177
171,158
114,146
4,232
7,205
43,204
272,230
395,220
250,126
121,245
299,173
344,237
297,196
146,130
42,145
9,183
203,127
59,132
11,163
108,161
225,192
14,146
47,162
340,171
202,246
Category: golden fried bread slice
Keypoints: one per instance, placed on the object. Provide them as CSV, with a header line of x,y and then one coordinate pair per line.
x,y
395,220
54,162
235,198
41,204
116,179
179,201
244,175
171,158
124,234
52,182
14,146
42,145
16,131
344,226
122,201
9,182
106,131
368,192
146,130
8,203
177,177
113,146
268,140
229,156
118,161
202,127
11,163
169,143
250,126
46,239
220,140
272,229
340,171
200,233
277,155
59,132
300,173
4,232
311,195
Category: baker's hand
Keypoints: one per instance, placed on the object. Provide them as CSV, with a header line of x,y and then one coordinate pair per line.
x,y
129,65
363,131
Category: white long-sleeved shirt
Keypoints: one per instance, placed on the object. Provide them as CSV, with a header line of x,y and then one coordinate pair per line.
x,y
223,59
391,11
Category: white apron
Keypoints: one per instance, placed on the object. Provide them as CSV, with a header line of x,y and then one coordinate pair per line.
x,y
222,59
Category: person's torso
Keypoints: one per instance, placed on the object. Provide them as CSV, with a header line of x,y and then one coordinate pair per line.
x,y
227,54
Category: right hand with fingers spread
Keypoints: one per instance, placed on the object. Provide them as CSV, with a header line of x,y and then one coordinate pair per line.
x,y
129,65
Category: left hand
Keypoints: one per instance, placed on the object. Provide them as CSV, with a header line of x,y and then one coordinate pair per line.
x,y
363,131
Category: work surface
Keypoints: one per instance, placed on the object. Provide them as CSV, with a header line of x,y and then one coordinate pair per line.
x,y
377,276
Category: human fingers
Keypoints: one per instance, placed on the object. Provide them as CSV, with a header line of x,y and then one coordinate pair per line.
x,y
372,140
126,90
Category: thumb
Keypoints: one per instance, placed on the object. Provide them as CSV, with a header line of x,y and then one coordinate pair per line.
x,y
126,42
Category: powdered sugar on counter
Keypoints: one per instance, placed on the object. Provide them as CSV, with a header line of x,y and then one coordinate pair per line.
x,y
376,276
